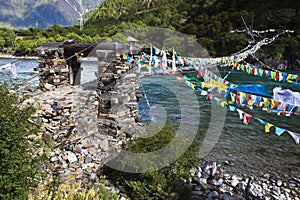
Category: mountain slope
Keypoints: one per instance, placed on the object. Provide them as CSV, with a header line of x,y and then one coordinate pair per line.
x,y
42,13
210,22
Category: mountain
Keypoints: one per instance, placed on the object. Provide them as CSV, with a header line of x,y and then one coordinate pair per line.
x,y
42,13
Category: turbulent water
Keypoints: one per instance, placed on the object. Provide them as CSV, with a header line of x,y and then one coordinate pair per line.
x,y
247,146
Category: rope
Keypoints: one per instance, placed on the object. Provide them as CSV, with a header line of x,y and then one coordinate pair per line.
x,y
25,81
225,77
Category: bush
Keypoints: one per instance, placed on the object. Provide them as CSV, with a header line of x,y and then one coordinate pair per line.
x,y
18,166
160,183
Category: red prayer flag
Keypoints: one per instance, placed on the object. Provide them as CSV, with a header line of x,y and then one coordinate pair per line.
x,y
247,118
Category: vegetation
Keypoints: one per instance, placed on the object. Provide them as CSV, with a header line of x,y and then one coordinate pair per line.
x,y
160,183
72,191
19,170
210,22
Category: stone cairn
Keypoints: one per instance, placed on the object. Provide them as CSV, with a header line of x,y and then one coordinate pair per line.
x,y
118,100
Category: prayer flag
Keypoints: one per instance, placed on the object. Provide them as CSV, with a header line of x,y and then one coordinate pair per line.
x,y
247,118
295,136
267,127
279,131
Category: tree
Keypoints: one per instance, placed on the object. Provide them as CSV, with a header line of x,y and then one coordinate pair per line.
x,y
8,37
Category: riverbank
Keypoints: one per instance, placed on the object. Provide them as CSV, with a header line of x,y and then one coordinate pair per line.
x,y
18,57
211,181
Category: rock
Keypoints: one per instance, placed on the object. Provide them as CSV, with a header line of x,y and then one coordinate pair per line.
x,y
49,86
104,144
87,159
256,190
196,188
234,182
202,180
234,177
227,176
91,164
197,193
218,182
193,171
71,157
198,174
71,176
54,159
173,196
93,176
242,186
213,194
279,183
226,197
213,169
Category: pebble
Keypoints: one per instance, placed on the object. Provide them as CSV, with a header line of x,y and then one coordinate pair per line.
x,y
93,176
72,157
279,183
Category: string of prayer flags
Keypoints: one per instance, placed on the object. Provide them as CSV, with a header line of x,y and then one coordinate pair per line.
x,y
254,70
246,117
266,104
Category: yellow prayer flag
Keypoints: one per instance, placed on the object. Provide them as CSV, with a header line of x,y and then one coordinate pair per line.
x,y
266,102
267,127
272,103
250,102
193,86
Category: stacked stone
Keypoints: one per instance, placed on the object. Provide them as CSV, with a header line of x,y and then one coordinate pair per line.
x,y
118,105
85,128
53,68
209,182
76,148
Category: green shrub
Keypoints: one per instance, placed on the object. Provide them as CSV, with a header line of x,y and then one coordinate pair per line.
x,y
160,183
19,170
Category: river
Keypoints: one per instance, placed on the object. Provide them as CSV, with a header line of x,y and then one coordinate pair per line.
x,y
248,147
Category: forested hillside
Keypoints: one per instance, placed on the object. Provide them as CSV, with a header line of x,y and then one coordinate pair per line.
x,y
209,21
